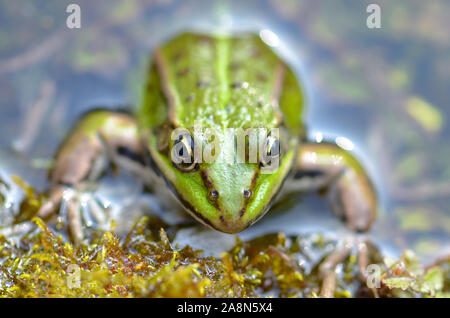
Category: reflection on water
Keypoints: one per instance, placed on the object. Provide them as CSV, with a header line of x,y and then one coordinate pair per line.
x,y
382,91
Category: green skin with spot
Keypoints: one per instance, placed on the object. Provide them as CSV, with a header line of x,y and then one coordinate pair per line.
x,y
225,82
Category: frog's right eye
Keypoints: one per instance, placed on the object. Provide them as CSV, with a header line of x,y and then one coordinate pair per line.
x,y
272,150
183,152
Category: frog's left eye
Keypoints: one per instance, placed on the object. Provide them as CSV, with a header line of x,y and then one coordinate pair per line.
x,y
271,150
183,152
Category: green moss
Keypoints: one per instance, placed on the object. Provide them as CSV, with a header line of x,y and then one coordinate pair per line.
x,y
44,265
143,263
408,278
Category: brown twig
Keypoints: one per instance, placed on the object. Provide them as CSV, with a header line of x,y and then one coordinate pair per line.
x,y
35,114
37,53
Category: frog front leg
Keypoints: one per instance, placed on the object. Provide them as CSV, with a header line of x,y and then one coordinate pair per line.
x,y
335,172
98,137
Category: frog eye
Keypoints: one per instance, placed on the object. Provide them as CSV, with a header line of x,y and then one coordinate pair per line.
x,y
183,152
271,150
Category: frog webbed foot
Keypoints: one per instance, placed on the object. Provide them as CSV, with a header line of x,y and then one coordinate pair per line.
x,y
327,270
82,209
97,143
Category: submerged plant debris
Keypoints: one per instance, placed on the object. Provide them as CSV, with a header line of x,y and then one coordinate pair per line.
x,y
40,262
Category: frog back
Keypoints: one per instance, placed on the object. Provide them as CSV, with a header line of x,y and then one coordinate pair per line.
x,y
223,81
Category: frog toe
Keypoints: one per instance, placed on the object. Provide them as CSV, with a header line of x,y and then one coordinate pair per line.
x,y
79,209
328,268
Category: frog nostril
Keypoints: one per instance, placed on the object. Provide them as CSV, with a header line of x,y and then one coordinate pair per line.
x,y
247,193
214,194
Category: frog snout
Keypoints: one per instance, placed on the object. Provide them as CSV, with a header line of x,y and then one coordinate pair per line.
x,y
230,225
229,190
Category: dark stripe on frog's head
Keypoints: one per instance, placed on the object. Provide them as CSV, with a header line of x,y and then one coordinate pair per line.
x,y
216,195
251,189
162,67
188,206
210,186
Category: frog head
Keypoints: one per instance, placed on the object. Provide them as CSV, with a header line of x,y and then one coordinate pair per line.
x,y
227,196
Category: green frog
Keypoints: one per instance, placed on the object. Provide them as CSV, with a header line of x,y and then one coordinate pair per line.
x,y
217,82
